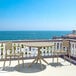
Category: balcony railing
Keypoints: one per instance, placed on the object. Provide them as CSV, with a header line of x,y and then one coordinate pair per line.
x,y
29,52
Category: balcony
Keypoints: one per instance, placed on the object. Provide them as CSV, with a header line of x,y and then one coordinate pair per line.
x,y
29,53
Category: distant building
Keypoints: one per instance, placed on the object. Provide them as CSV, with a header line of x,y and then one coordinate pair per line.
x,y
68,36
74,32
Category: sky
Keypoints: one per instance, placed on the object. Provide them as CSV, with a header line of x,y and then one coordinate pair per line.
x,y
37,15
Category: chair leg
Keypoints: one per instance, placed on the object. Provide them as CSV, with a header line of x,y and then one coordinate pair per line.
x,y
57,59
18,64
64,58
22,60
10,61
53,60
70,59
4,63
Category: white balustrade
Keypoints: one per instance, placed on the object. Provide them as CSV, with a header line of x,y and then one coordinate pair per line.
x,y
32,52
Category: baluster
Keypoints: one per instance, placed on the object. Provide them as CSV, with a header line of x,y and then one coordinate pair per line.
x,y
2,50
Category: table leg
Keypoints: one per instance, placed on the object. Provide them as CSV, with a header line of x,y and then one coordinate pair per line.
x,y
44,60
33,62
39,57
41,64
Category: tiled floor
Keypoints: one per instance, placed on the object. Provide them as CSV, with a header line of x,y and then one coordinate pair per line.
x,y
63,68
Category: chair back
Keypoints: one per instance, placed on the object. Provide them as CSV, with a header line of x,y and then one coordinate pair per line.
x,y
8,47
66,43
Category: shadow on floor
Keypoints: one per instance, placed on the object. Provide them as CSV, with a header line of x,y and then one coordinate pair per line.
x,y
36,67
56,64
8,68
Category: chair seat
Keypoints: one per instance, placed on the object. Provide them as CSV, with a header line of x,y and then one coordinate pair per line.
x,y
16,54
60,52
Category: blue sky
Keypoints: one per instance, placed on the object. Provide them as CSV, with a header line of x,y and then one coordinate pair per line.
x,y
37,14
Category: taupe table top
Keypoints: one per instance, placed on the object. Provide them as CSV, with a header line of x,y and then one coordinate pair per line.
x,y
39,44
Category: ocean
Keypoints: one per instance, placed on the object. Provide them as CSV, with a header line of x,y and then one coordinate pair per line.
x,y
30,35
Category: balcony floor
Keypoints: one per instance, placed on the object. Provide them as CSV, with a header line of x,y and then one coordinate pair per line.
x,y
63,68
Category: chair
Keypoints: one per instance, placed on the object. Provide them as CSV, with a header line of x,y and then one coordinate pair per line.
x,y
65,45
9,53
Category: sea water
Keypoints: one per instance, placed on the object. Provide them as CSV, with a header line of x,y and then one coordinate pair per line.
x,y
30,35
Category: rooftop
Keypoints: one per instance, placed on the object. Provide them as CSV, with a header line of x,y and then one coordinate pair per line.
x,y
67,36
71,35
62,68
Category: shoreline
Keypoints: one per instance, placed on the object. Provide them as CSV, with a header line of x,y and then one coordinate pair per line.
x,y
37,40
30,40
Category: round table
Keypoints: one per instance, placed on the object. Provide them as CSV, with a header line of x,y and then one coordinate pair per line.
x,y
39,45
